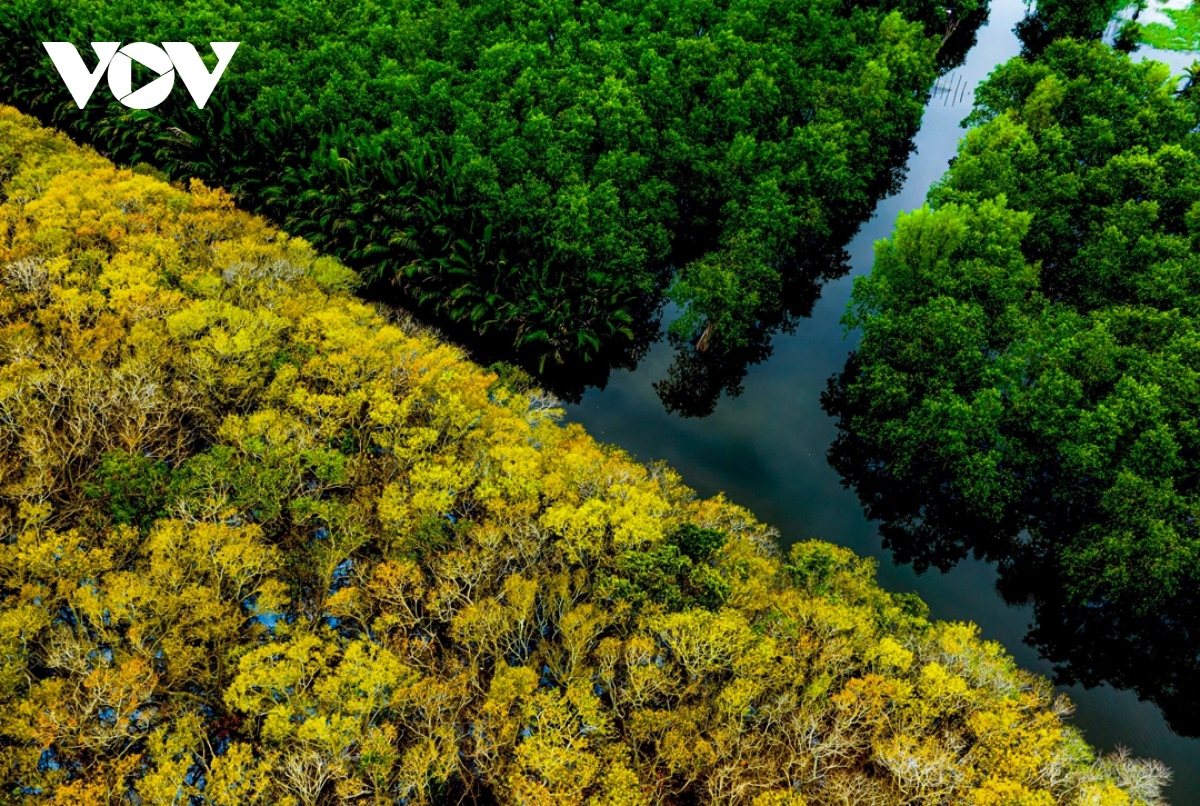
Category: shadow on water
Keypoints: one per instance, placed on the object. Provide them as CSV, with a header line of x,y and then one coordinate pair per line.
x,y
697,377
766,450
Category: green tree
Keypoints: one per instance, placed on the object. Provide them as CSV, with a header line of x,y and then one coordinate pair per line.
x,y
1026,375
542,175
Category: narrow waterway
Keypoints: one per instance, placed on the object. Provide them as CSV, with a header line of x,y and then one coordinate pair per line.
x,y
766,449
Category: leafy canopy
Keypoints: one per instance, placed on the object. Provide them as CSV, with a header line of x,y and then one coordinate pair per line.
x,y
1028,380
261,544
543,172
1182,33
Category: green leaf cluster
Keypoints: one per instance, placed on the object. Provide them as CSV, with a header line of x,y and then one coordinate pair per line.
x,y
544,172
1028,380
1183,32
676,575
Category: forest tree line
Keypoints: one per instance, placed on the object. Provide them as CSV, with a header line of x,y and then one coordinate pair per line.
x,y
261,543
543,174
1027,385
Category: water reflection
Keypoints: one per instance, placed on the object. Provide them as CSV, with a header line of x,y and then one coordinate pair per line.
x,y
698,376
1158,657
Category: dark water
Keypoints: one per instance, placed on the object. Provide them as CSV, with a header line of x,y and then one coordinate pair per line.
x,y
766,448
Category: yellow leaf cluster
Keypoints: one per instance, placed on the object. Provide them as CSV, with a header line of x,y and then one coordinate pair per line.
x,y
264,543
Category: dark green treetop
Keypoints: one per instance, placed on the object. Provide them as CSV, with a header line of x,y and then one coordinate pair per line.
x,y
1028,381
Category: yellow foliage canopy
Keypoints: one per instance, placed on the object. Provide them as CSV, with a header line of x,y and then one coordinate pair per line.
x,y
262,543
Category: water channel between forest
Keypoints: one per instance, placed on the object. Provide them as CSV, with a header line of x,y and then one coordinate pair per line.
x,y
766,448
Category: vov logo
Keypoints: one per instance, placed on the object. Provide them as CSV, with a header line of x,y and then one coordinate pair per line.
x,y
171,58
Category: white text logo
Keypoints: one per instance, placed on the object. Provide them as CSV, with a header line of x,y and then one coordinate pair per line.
x,y
171,58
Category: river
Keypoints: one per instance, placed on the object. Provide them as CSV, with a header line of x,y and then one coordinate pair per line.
x,y
766,448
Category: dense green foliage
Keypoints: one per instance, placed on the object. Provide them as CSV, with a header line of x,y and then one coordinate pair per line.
x,y
1028,380
540,171
261,545
1183,32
